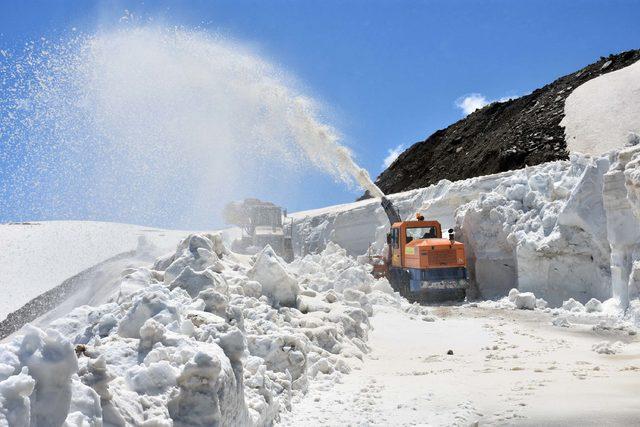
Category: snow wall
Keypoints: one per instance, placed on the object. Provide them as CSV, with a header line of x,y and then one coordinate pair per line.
x,y
561,229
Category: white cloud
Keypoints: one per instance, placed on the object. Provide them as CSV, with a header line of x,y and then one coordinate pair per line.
x,y
392,155
471,102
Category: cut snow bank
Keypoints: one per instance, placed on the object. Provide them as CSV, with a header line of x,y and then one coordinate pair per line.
x,y
603,114
566,229
203,337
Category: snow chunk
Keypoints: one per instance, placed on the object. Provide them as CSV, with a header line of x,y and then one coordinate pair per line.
x,y
51,361
308,304
145,306
593,306
204,380
561,321
14,399
85,408
152,379
270,271
606,347
195,282
198,252
541,303
383,286
525,301
572,305
282,352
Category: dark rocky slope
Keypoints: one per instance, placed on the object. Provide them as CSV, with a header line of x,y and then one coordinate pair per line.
x,y
499,137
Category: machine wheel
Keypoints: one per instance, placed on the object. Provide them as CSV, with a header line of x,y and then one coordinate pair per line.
x,y
399,280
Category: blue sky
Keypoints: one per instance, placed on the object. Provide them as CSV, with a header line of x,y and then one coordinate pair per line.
x,y
390,71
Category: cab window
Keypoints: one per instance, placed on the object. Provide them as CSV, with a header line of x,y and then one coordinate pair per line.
x,y
421,233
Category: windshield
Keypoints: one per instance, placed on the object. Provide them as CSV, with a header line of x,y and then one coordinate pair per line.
x,y
421,233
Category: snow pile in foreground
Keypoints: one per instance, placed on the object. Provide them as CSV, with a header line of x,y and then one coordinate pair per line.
x,y
199,338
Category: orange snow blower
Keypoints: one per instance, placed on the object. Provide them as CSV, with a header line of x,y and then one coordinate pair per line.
x,y
420,263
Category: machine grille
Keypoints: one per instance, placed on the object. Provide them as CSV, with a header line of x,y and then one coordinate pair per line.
x,y
446,257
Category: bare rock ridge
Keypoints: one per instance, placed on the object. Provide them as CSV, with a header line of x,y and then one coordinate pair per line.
x,y
498,137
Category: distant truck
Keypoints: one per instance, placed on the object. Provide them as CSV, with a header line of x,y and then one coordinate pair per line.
x,y
262,224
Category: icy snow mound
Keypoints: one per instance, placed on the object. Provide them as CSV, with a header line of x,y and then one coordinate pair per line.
x,y
602,114
202,338
269,270
606,347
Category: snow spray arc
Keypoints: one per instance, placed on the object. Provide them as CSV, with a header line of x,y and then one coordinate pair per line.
x,y
142,121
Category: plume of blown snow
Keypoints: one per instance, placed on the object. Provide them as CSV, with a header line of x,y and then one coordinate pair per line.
x,y
141,121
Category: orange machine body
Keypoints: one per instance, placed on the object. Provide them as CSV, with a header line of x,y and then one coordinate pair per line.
x,y
419,245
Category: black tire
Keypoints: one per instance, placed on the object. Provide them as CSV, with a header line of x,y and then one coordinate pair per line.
x,y
399,280
433,296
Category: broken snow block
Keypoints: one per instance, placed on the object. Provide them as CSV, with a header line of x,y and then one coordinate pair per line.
x,y
195,251
199,318
277,284
251,288
214,301
14,395
331,296
307,304
51,361
145,306
195,282
593,306
525,301
541,303
572,305
561,322
201,386
151,332
606,347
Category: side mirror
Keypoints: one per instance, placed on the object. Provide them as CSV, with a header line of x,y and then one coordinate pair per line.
x,y
388,238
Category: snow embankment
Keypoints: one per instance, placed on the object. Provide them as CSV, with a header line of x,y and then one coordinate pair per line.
x,y
36,257
566,229
202,337
603,114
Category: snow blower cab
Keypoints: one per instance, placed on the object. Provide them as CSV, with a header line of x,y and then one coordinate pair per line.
x,y
421,262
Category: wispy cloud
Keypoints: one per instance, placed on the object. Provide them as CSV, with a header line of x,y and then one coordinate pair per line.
x,y
470,103
392,155
473,101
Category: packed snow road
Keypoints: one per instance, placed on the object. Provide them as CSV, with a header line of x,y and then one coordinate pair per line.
x,y
507,367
